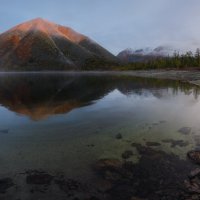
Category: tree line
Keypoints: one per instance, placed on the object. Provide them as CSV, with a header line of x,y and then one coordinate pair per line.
x,y
176,61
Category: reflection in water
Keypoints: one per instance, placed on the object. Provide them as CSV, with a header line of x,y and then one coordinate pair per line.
x,y
41,95
83,136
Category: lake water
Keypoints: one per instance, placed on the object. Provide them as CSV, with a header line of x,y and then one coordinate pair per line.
x,y
92,136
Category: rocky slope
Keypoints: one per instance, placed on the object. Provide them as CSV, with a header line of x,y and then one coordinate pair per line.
x,y
42,45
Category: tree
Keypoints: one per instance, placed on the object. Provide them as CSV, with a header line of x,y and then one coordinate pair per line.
x,y
197,57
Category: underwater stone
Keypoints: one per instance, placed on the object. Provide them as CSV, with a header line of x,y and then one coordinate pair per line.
x,y
38,178
153,144
194,173
111,164
68,185
118,136
194,155
174,143
127,154
185,130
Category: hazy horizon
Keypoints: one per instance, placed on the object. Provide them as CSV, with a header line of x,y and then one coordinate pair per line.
x,y
116,25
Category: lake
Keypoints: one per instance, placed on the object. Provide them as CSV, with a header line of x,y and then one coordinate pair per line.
x,y
93,136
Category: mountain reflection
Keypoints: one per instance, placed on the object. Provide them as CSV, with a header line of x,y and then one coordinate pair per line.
x,y
41,95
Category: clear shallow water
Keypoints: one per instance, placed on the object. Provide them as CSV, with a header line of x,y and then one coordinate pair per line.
x,y
64,123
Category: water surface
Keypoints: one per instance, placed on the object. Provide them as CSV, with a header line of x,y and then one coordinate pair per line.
x,y
63,124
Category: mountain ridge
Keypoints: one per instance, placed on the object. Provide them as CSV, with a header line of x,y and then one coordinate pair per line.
x,y
145,54
42,45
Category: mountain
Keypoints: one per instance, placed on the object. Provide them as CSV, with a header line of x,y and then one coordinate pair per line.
x,y
141,55
42,45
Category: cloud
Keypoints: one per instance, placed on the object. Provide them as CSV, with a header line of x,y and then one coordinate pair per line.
x,y
116,24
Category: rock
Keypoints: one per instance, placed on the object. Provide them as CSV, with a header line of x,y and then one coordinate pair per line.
x,y
192,186
111,175
118,136
5,184
38,178
108,164
174,143
194,173
90,145
194,155
136,145
185,130
180,143
104,185
69,186
156,176
155,124
121,191
153,144
109,169
127,154
197,140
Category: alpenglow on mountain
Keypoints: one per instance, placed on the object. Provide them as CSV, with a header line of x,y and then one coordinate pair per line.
x,y
42,45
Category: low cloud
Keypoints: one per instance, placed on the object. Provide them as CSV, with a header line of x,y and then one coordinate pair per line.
x,y
116,24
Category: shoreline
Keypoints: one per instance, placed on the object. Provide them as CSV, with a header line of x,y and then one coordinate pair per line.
x,y
191,76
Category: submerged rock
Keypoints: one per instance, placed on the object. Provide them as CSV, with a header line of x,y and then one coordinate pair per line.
x,y
109,169
103,185
111,164
156,176
194,155
193,183
118,136
174,143
185,130
90,145
153,144
5,184
194,173
155,124
136,145
197,140
38,178
127,154
69,186
192,186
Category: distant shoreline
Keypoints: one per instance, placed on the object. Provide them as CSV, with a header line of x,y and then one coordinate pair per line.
x,y
191,76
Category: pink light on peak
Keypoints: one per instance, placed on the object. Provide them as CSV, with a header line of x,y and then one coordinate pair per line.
x,y
50,28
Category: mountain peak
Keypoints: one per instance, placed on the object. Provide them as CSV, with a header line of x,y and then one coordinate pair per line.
x,y
40,20
40,43
49,28
144,54
34,24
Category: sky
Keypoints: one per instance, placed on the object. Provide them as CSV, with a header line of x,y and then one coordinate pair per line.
x,y
115,24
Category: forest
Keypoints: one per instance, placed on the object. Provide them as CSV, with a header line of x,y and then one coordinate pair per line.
x,y
188,60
